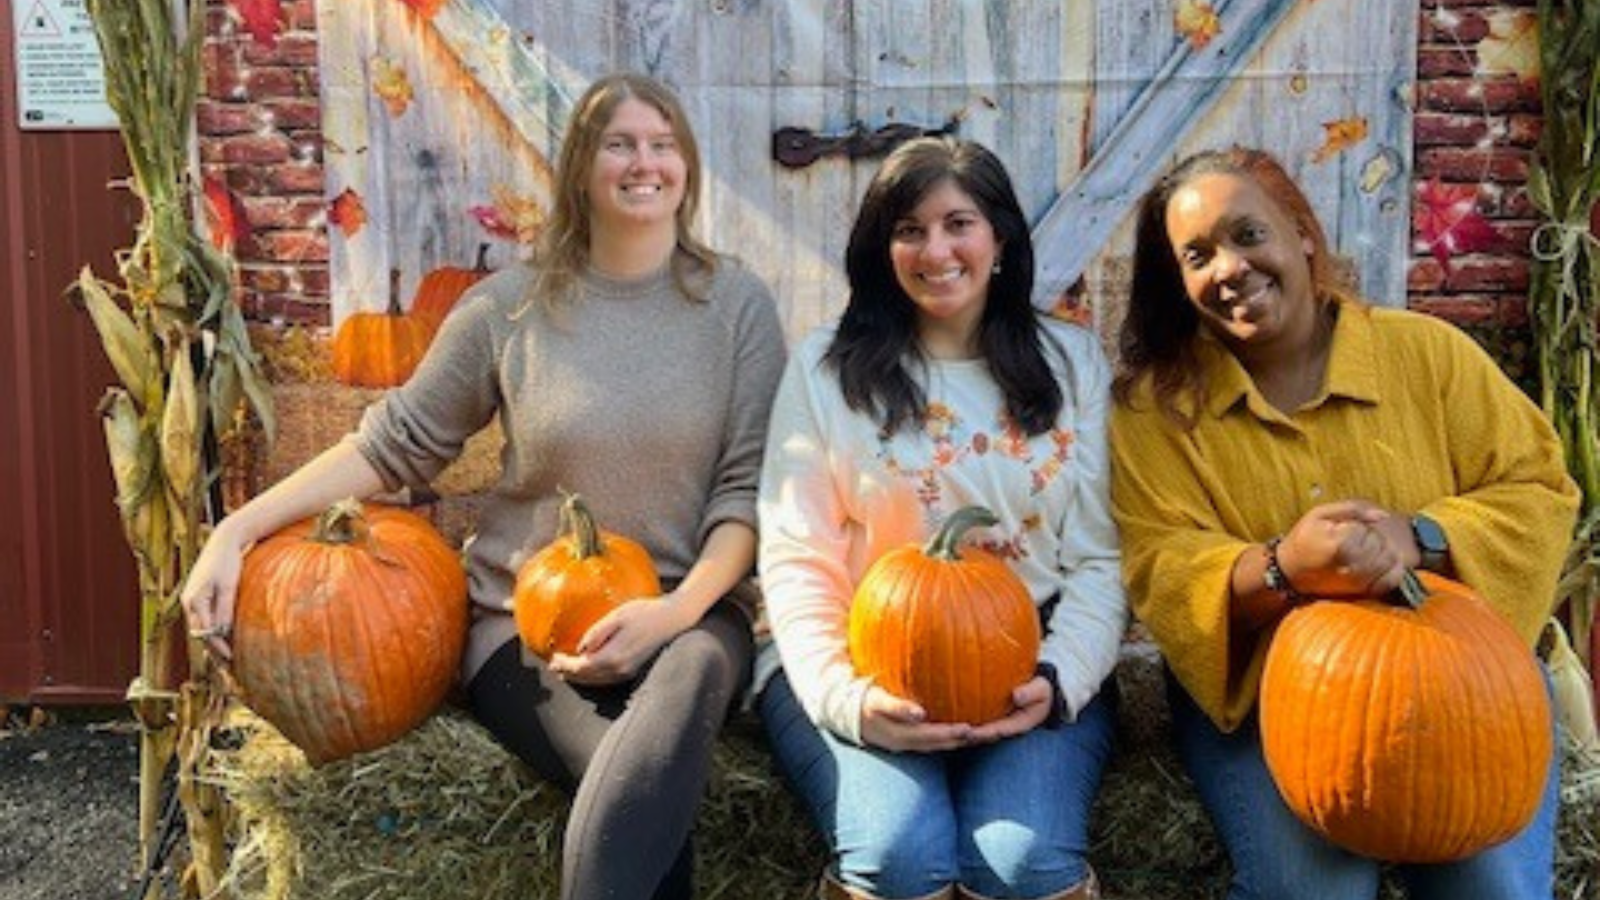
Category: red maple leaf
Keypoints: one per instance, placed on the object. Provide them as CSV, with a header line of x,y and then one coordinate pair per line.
x,y
225,216
347,212
1448,221
425,8
262,18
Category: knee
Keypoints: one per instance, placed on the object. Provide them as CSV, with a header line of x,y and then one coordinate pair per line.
x,y
1012,861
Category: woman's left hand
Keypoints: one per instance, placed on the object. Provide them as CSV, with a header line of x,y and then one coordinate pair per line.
x,y
1031,703
615,648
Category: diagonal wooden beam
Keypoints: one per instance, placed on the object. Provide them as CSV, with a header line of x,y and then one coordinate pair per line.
x,y
1078,224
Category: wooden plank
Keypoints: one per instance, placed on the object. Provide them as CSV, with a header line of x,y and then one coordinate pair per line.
x,y
1077,225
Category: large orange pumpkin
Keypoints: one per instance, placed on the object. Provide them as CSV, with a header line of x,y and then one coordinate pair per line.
x,y
380,349
440,289
951,628
572,583
1417,733
349,628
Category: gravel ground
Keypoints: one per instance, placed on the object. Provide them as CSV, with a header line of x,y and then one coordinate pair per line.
x,y
69,797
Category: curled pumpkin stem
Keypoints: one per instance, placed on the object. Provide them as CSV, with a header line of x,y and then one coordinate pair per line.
x,y
946,542
577,521
342,523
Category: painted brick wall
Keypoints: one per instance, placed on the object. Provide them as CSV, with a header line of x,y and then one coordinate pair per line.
x,y
1475,133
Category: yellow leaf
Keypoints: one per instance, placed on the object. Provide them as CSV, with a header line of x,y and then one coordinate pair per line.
x,y
1512,47
1340,135
1197,21
180,425
390,82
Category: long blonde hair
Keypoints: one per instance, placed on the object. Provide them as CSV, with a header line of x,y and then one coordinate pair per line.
x,y
562,253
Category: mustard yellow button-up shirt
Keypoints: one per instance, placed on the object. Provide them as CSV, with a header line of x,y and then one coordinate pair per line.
x,y
1413,415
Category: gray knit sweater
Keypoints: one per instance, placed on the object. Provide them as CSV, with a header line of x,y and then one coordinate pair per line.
x,y
651,405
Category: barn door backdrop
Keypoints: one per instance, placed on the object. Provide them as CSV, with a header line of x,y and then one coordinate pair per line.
x,y
442,118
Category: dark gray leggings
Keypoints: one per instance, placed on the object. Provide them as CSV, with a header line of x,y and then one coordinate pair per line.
x,y
635,756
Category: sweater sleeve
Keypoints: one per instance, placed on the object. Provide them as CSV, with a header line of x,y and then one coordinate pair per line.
x,y
758,358
804,548
417,429
1510,522
1087,624
1178,560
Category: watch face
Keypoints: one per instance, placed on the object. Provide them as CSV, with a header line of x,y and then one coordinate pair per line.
x,y
1430,537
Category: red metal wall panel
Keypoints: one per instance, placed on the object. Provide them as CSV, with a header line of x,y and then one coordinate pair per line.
x,y
68,589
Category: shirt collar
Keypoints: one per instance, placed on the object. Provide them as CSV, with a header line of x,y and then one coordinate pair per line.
x,y
1352,365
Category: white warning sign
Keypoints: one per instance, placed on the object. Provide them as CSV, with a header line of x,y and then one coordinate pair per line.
x,y
60,76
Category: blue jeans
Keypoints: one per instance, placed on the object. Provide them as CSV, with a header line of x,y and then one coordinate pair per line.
x,y
1276,857
1009,819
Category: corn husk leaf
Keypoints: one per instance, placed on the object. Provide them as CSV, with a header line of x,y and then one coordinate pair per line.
x,y
1574,695
130,350
180,425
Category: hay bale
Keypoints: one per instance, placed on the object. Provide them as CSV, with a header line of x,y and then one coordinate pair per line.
x,y
446,814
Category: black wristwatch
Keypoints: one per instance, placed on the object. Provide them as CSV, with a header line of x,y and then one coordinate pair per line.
x,y
1432,542
1058,703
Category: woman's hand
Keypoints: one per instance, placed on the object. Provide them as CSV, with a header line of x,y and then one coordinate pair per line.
x,y
1345,549
893,723
208,594
615,648
1031,703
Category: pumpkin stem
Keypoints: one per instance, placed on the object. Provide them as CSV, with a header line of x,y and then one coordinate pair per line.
x,y
394,293
946,543
482,265
577,521
1410,592
341,523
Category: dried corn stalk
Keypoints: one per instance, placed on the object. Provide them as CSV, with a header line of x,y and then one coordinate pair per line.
x,y
178,344
1564,296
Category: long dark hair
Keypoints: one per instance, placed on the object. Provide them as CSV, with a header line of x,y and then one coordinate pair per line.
x,y
876,341
1158,332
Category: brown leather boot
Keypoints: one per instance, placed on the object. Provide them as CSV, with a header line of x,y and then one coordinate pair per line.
x,y
1087,889
832,888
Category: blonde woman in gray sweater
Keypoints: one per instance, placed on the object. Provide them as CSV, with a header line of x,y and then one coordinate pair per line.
x,y
629,363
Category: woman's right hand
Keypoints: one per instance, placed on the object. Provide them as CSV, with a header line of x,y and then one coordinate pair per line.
x,y
893,723
1342,550
208,595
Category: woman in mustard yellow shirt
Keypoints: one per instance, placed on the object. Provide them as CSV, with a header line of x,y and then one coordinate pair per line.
x,y
1276,439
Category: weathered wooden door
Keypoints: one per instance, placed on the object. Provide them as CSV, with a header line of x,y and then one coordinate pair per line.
x,y
1086,100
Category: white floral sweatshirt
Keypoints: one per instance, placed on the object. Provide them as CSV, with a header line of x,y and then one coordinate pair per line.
x,y
836,493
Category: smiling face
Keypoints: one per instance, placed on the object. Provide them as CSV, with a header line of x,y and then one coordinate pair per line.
x,y
638,175
1246,267
943,254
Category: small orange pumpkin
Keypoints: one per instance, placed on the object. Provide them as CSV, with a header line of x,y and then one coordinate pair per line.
x,y
572,583
951,628
348,629
441,288
380,349
1418,734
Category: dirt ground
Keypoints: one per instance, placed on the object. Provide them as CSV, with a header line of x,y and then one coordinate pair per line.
x,y
69,797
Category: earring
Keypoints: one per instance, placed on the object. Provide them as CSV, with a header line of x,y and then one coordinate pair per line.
x,y
995,269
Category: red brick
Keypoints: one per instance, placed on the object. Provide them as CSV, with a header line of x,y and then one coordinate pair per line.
x,y
286,308
1433,129
1498,164
1424,275
1458,310
1469,274
1440,61
214,118
1478,95
294,112
256,149
1468,28
302,14
304,245
296,178
301,211
291,50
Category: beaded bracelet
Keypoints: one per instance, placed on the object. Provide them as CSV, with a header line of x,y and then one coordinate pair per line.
x,y
1276,580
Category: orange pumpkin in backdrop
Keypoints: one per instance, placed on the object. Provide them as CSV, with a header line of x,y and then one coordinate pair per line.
x,y
949,627
443,287
380,349
565,588
348,629
1416,733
